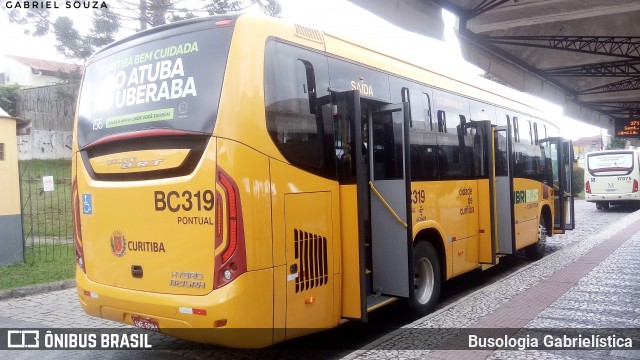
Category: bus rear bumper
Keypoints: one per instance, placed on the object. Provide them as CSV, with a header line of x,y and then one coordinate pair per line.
x,y
613,198
234,315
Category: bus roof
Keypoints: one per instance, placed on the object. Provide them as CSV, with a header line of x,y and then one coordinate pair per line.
x,y
196,23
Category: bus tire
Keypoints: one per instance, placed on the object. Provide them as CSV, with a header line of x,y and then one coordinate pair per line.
x,y
426,279
536,251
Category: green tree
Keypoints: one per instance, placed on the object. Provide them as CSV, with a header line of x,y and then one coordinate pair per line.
x,y
577,182
107,22
9,98
616,144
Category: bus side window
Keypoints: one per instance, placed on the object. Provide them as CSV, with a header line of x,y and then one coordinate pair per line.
x,y
290,99
528,135
424,155
442,121
406,97
455,152
426,101
419,109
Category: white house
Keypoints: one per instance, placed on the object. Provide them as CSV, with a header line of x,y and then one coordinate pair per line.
x,y
30,72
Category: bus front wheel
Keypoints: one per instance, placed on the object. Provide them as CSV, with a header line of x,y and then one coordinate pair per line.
x,y
536,251
426,279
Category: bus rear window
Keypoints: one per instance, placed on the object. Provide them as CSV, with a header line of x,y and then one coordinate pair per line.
x,y
173,82
610,164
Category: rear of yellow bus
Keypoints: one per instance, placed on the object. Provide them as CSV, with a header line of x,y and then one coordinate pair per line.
x,y
160,205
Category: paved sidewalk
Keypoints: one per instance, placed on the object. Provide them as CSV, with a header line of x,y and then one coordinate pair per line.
x,y
593,284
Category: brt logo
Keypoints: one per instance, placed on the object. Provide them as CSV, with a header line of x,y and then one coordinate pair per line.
x,y
525,196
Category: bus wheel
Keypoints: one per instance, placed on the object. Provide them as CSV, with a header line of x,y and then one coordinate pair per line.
x,y
536,251
426,279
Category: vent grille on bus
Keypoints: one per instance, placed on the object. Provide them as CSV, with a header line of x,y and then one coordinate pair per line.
x,y
309,34
311,251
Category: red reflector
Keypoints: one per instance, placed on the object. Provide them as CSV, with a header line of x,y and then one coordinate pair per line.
x,y
587,188
199,312
635,186
87,293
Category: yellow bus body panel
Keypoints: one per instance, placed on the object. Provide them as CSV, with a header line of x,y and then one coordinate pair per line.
x,y
305,211
160,241
485,249
453,205
255,196
526,211
240,305
351,294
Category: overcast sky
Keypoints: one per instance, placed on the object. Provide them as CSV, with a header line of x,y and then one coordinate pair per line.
x,y
339,16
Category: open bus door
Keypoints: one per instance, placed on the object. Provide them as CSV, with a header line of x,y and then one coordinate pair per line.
x,y
389,185
559,151
378,141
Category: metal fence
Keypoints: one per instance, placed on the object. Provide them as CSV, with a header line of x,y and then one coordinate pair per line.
x,y
45,187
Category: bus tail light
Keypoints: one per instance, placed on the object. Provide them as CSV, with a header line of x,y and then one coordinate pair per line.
x,y
635,186
231,262
587,187
77,226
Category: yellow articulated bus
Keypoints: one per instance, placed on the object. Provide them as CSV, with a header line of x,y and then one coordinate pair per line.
x,y
240,172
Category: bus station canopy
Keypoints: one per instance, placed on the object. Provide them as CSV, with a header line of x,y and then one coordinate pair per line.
x,y
583,55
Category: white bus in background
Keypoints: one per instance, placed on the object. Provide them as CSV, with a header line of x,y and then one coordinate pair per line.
x,y
612,177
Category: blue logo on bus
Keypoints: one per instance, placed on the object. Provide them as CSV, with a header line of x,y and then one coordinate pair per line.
x,y
87,205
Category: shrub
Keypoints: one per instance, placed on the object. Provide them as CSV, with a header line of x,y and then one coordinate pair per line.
x,y
578,180
9,98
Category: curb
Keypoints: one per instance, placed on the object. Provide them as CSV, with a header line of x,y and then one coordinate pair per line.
x,y
36,289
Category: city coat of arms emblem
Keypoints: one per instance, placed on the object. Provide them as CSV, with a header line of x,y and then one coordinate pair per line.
x,y
118,243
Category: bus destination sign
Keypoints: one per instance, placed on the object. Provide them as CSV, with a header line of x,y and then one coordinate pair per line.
x,y
629,128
